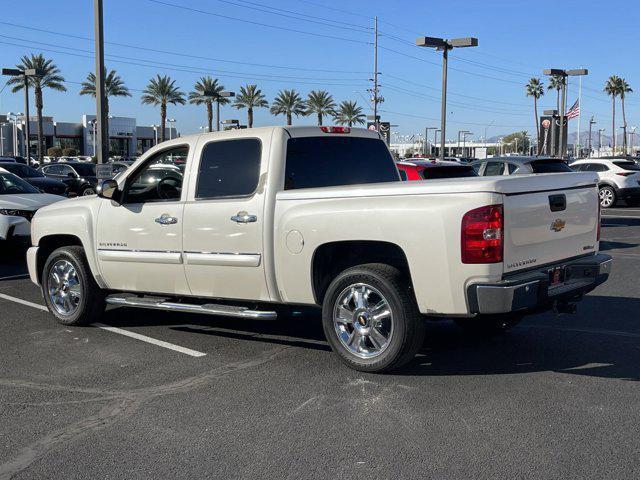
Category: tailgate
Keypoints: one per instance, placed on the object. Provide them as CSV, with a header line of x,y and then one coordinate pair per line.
x,y
543,227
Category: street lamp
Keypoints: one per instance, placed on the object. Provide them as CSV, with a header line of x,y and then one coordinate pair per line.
x,y
464,140
155,133
15,130
171,122
632,134
26,74
444,46
592,122
217,96
460,132
94,133
600,140
557,72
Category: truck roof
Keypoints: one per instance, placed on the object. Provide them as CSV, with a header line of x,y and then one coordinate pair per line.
x,y
293,131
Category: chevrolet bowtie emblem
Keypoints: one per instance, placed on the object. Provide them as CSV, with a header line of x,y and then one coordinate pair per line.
x,y
558,225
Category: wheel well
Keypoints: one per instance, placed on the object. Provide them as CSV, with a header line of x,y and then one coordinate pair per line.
x,y
49,244
332,258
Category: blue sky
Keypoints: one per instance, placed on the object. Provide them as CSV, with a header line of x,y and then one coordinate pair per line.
x,y
320,44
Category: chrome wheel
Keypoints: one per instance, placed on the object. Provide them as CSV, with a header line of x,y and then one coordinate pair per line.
x,y
606,197
363,320
65,290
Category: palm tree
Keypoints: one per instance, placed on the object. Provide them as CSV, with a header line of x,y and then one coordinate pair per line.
x,y
250,97
113,87
50,78
555,83
162,91
206,91
623,89
535,89
612,89
320,103
349,113
289,103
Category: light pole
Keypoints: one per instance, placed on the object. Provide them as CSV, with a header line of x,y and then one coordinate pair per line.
x,y
444,46
632,134
592,122
600,140
171,122
564,74
426,136
464,140
14,141
155,134
26,75
217,96
2,125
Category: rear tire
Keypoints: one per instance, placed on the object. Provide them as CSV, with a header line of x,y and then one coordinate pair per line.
x,y
371,319
489,325
607,196
70,291
88,191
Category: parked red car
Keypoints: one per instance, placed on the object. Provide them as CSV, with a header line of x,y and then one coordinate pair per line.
x,y
415,169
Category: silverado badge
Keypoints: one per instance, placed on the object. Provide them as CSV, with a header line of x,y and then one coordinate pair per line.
x,y
558,225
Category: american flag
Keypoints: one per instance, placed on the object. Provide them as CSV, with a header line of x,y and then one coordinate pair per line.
x,y
574,111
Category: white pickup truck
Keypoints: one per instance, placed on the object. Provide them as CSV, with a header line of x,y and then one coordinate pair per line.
x,y
242,223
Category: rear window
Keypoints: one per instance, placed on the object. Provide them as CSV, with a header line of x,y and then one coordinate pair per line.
x,y
550,166
432,173
631,166
314,162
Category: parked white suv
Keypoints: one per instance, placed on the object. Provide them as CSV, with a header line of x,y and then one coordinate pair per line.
x,y
617,179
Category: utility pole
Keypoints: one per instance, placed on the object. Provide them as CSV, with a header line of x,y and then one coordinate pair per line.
x,y
592,122
375,91
101,100
600,140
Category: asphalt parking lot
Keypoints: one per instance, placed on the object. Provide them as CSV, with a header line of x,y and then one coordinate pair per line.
x,y
165,395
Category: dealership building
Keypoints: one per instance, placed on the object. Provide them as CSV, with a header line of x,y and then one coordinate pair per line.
x,y
126,137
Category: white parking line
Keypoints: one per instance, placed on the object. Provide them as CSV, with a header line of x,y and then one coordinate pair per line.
x,y
120,331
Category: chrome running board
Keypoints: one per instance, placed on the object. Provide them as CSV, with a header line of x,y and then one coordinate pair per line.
x,y
157,303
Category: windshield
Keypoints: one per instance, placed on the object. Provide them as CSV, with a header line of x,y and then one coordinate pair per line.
x,y
85,169
10,184
630,166
550,166
23,171
314,162
448,172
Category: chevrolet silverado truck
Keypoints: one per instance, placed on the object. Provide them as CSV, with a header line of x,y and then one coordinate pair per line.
x,y
264,219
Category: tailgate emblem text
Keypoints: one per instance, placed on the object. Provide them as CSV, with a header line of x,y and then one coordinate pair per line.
x,y
558,225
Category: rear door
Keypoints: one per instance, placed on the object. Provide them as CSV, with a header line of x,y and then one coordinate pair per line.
x,y
543,227
224,218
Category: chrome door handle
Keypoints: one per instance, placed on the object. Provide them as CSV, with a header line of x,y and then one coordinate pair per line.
x,y
244,217
166,219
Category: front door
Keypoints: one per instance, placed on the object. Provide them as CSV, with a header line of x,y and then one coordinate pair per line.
x,y
224,219
140,241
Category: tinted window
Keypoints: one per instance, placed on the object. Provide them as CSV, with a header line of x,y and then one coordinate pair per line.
x,y
512,168
598,167
11,184
476,166
448,172
229,168
631,166
403,175
85,169
157,180
493,168
53,170
550,166
579,168
314,162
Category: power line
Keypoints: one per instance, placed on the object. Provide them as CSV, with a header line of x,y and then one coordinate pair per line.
x,y
327,7
227,17
180,54
454,121
290,13
199,71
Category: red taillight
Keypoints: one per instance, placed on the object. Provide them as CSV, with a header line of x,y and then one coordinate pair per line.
x,y
482,235
336,129
625,174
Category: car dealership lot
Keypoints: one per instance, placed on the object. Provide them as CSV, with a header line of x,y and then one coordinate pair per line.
x,y
201,397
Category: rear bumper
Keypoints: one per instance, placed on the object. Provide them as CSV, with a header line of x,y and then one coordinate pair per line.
x,y
531,291
632,193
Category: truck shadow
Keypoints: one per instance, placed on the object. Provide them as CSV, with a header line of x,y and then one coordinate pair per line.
x,y
602,340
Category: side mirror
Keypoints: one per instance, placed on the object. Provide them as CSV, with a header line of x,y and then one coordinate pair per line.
x,y
108,189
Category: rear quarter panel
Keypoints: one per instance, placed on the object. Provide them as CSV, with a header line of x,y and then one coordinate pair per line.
x,y
426,227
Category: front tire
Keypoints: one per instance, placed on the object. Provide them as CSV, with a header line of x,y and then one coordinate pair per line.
x,y
88,191
607,196
70,291
371,319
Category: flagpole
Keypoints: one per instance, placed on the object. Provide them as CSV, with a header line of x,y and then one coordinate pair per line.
x,y
579,114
